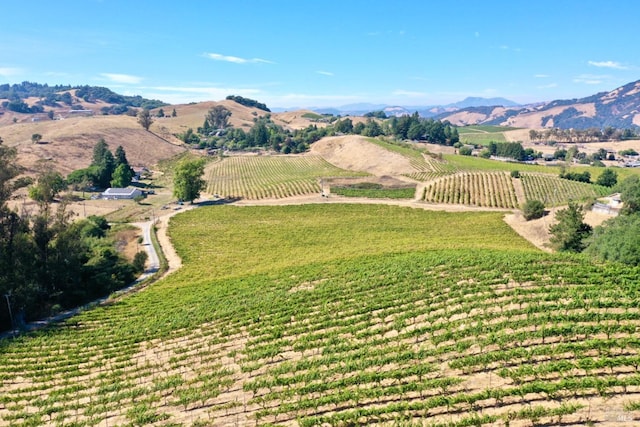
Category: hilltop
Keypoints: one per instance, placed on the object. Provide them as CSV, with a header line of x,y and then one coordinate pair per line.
x,y
619,108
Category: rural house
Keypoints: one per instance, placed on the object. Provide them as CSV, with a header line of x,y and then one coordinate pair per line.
x,y
121,193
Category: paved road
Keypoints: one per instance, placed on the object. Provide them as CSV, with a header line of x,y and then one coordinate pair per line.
x,y
153,266
154,260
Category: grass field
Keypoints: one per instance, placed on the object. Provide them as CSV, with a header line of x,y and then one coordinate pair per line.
x,y
375,193
342,315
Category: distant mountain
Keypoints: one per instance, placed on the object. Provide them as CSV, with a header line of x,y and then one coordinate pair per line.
x,y
474,101
619,108
360,109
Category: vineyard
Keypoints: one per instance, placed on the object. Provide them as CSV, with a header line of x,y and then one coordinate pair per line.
x,y
486,189
343,315
554,191
260,177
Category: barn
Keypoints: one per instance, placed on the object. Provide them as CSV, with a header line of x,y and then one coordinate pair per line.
x,y
121,193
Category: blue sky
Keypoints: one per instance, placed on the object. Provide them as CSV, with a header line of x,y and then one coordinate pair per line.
x,y
325,53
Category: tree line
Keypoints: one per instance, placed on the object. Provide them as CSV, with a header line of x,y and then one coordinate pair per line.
x,y
50,263
617,239
265,133
106,169
60,96
580,136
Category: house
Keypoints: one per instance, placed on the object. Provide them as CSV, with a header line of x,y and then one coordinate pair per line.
x,y
121,193
609,205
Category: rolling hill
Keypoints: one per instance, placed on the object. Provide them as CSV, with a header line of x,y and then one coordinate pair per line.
x,y
619,108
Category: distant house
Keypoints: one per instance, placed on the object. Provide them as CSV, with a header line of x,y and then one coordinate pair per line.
x,y
609,205
121,193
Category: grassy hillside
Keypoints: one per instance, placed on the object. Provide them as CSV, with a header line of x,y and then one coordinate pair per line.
x,y
345,315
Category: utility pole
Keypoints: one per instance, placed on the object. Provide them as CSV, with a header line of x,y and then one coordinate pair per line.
x,y
9,307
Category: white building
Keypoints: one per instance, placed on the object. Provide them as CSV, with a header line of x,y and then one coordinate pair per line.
x,y
121,193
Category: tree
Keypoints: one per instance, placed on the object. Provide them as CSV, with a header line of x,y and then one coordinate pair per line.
x,y
218,117
372,128
187,179
630,195
608,178
36,138
570,232
47,186
533,209
120,158
344,126
99,151
121,176
618,239
145,119
160,113
174,113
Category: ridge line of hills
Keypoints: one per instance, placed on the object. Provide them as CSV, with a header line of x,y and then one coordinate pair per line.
x,y
618,108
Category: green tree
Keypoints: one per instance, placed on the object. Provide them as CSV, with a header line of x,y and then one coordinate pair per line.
x,y
533,209
465,151
259,135
160,113
570,232
415,131
174,113
121,176
618,239
630,195
144,119
608,178
120,158
372,128
47,186
344,126
187,179
218,117
36,138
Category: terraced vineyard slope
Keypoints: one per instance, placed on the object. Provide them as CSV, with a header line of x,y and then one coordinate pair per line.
x,y
343,315
554,191
486,189
259,177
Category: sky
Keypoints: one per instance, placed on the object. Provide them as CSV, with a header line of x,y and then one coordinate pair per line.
x,y
305,53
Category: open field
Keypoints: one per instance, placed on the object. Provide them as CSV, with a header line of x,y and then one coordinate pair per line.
x,y
343,314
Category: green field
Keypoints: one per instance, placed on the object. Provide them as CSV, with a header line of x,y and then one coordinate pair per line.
x,y
342,315
375,193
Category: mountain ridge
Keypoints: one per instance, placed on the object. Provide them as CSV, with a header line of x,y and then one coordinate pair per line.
x,y
618,108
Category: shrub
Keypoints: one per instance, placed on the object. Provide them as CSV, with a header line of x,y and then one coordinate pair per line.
x,y
515,174
533,209
465,151
139,261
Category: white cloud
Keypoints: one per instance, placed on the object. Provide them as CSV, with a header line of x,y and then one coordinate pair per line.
x,y
590,79
236,59
122,78
608,64
185,94
9,71
541,76
325,73
408,93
